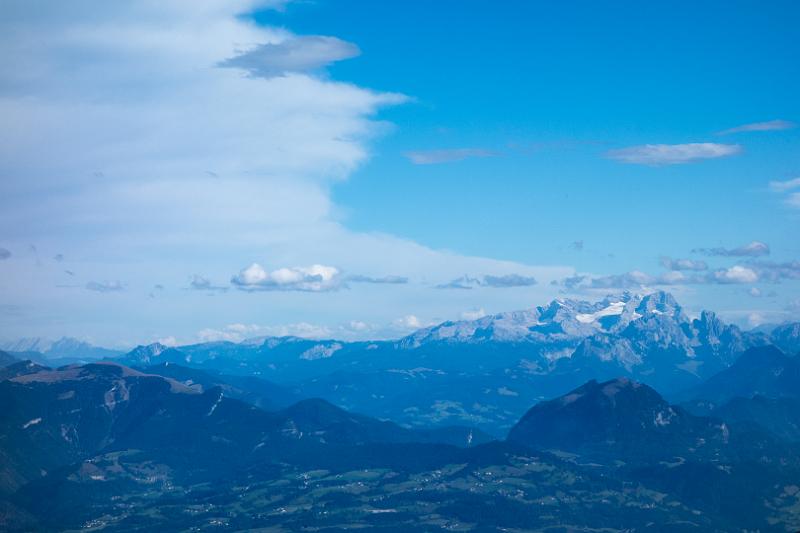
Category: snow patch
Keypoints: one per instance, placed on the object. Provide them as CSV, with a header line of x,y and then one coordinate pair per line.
x,y
214,407
615,308
30,423
320,351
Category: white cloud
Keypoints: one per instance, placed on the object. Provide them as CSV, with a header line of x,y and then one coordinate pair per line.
x,y
793,200
433,157
770,125
672,154
119,127
315,278
410,322
168,341
294,54
735,274
473,314
751,249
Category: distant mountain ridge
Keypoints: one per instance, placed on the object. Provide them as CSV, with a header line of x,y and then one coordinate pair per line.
x,y
65,348
487,372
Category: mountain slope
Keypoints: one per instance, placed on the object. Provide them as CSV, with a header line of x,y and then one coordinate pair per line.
x,y
764,371
620,415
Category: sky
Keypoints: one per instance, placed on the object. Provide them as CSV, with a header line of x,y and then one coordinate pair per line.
x,y
203,170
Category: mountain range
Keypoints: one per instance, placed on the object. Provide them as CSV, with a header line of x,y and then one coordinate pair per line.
x,y
487,372
105,446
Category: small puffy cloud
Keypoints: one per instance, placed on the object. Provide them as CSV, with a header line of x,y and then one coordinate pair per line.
x,y
734,274
408,322
168,341
683,264
382,280
58,258
105,286
306,53
751,249
315,278
489,281
201,283
793,200
473,314
769,125
755,292
433,157
577,245
783,186
358,326
4,254
672,154
508,280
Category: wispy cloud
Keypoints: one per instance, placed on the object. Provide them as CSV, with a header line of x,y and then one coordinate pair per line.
x,y
792,199
770,125
315,278
751,249
783,186
4,254
683,264
635,279
672,154
775,272
105,286
201,283
509,280
433,157
306,53
382,280
494,282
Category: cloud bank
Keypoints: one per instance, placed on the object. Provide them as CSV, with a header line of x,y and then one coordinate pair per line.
x,y
672,154
751,249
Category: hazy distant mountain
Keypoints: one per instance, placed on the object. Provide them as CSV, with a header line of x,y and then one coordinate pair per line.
x,y
6,359
764,371
787,338
66,349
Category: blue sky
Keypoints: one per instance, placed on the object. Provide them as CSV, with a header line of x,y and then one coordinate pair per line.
x,y
176,171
